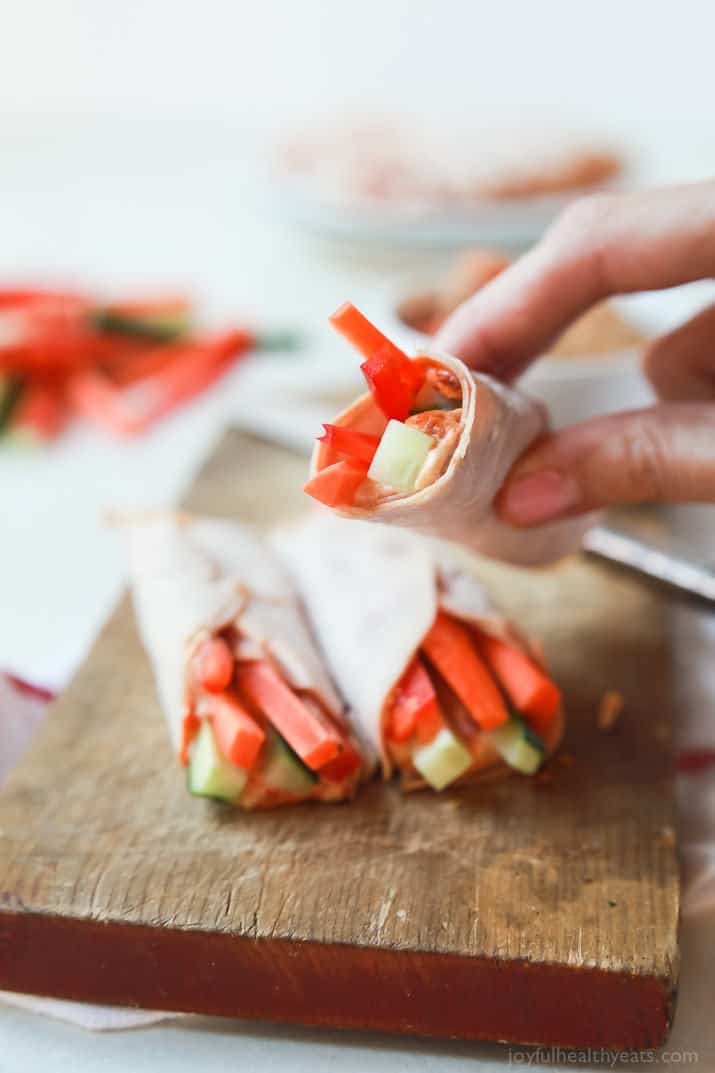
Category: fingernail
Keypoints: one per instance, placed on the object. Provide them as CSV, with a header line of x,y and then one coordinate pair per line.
x,y
539,497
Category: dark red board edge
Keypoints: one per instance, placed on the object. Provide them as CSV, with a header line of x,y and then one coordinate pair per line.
x,y
332,986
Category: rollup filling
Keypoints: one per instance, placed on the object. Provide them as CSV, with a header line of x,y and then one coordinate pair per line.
x,y
252,739
412,429
466,700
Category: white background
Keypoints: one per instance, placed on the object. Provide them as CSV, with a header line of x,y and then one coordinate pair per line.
x,y
639,70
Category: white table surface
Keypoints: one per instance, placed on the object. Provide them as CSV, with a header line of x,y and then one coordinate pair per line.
x,y
121,209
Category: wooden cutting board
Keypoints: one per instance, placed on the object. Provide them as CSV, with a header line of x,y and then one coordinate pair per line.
x,y
534,910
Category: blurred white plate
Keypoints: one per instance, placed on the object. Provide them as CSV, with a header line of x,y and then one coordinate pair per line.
x,y
517,222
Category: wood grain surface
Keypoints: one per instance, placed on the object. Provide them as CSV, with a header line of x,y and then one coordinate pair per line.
x,y
534,910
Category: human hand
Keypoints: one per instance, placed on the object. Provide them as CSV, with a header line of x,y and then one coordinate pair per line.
x,y
601,246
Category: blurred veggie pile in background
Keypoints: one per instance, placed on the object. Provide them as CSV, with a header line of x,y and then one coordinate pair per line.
x,y
122,365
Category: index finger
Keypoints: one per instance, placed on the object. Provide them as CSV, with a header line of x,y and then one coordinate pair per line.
x,y
600,246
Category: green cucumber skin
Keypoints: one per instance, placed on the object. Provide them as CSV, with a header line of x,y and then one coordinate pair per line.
x,y
517,735
532,737
156,331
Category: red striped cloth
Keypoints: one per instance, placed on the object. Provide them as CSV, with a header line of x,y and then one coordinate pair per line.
x,y
22,708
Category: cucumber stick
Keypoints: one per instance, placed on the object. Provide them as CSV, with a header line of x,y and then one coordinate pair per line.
x,y
285,771
156,328
400,456
210,773
443,760
518,746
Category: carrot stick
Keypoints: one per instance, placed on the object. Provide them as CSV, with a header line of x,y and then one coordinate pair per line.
x,y
530,690
336,485
393,379
362,334
213,665
449,646
238,735
309,735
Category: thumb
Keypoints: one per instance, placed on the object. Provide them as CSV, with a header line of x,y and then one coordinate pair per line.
x,y
663,454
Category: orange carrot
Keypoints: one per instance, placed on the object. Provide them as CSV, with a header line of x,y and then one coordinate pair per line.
x,y
449,646
393,379
170,305
213,664
309,734
530,690
362,334
336,485
239,736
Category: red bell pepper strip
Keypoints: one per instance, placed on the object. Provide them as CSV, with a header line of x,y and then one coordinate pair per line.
x,y
313,738
358,446
532,692
336,485
238,735
393,387
213,665
415,705
450,647
393,379
402,723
